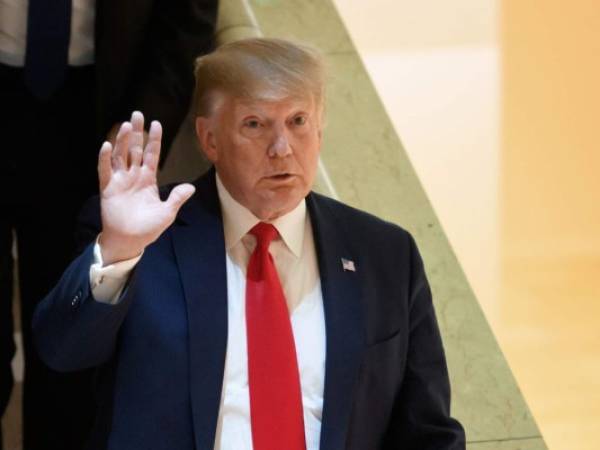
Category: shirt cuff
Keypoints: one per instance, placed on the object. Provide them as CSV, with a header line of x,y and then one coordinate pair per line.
x,y
108,282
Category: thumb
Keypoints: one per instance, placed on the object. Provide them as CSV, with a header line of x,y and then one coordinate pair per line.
x,y
179,195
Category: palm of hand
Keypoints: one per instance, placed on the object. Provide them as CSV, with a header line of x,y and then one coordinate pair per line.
x,y
134,208
133,215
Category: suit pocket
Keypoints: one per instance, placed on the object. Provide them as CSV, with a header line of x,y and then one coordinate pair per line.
x,y
382,340
380,378
383,362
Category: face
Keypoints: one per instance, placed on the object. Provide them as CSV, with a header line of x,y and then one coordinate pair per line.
x,y
265,152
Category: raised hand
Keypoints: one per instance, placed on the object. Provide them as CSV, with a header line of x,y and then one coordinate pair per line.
x,y
133,215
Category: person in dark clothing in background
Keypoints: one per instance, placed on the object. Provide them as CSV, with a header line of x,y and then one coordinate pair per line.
x,y
64,89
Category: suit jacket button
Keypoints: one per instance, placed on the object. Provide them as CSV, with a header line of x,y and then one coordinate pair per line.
x,y
76,299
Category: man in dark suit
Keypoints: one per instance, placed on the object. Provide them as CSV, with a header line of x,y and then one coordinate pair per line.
x,y
244,311
70,72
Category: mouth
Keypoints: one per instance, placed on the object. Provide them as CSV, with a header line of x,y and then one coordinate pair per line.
x,y
280,176
280,180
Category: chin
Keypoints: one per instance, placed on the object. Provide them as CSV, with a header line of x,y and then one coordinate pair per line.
x,y
269,209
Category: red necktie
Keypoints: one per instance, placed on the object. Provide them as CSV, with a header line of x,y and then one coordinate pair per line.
x,y
275,397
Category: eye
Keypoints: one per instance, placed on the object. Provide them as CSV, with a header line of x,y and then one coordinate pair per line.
x,y
252,123
299,120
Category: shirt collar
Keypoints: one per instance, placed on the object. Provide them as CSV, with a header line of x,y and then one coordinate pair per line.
x,y
238,221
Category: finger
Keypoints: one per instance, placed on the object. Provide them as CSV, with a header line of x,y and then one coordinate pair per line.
x,y
152,151
104,165
137,126
121,148
179,195
135,157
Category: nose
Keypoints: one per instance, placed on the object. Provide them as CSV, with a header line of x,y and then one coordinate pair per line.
x,y
280,145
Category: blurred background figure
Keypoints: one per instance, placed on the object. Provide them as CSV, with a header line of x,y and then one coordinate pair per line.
x,y
70,72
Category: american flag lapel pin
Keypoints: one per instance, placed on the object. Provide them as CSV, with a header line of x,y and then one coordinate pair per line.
x,y
348,265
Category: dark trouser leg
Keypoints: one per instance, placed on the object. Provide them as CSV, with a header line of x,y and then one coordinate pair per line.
x,y
52,170
57,407
7,345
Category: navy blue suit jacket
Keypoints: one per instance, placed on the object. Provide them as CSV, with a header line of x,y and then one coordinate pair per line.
x,y
161,350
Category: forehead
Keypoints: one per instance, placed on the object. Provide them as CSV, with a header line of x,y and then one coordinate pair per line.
x,y
268,106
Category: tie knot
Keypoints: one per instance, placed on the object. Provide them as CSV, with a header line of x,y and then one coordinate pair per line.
x,y
264,233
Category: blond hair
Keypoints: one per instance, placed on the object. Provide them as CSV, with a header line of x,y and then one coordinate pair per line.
x,y
258,69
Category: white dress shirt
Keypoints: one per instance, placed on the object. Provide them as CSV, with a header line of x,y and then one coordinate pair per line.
x,y
296,263
13,32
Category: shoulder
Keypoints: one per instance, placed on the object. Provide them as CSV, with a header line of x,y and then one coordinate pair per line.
x,y
358,224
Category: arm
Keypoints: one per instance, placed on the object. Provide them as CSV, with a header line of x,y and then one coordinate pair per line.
x,y
72,330
108,281
421,417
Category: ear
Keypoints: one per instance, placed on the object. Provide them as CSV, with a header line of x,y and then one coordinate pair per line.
x,y
206,137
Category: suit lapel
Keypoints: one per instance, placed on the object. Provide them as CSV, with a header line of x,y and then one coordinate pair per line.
x,y
343,321
199,247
